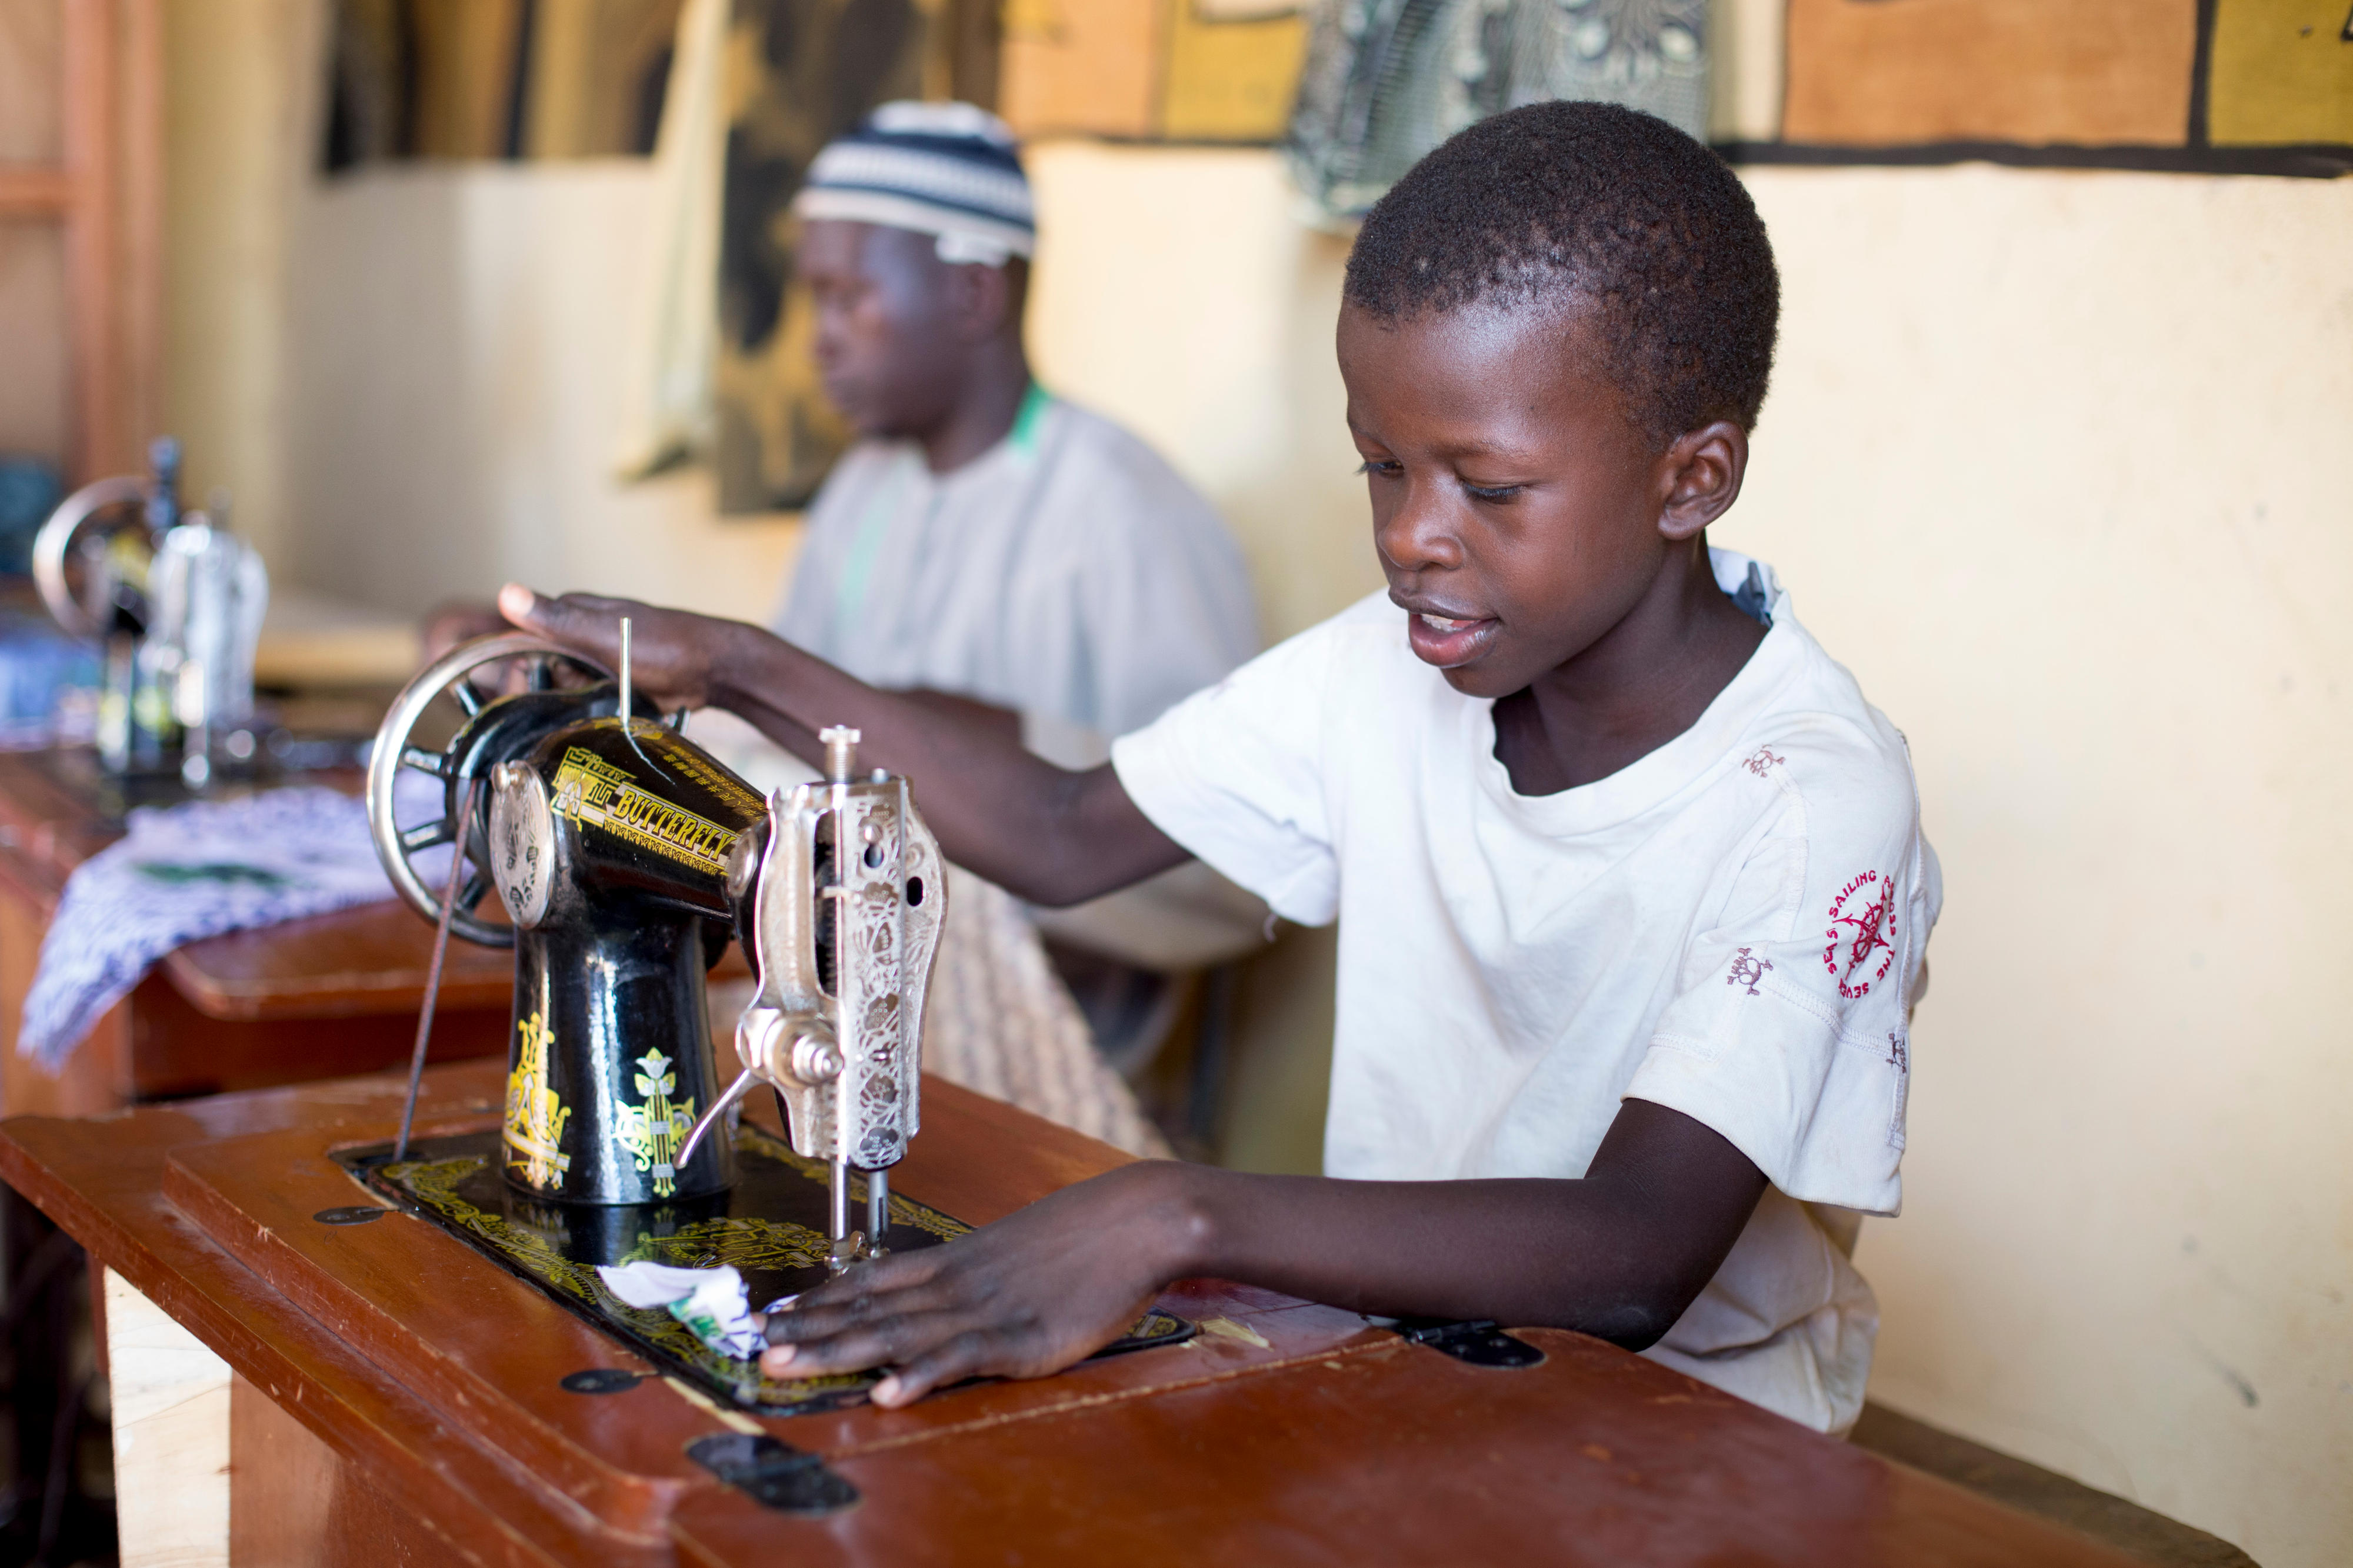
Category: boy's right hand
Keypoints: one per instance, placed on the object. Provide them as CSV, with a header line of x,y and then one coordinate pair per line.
x,y
1037,1290
671,652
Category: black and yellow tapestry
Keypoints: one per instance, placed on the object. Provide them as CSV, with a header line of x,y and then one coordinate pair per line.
x,y
497,78
801,72
1177,70
2261,87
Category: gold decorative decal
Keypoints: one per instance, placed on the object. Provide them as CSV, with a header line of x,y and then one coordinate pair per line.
x,y
719,782
654,1130
535,1114
588,789
459,1190
745,1243
741,1243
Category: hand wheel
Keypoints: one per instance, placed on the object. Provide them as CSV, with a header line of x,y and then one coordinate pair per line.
x,y
60,538
454,767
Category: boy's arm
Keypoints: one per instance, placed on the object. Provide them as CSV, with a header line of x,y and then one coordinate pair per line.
x,y
1618,1253
1042,833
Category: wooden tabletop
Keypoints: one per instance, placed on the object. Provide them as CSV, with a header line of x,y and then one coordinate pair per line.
x,y
370,959
1285,1432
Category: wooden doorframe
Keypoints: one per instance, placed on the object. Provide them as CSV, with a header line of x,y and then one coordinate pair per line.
x,y
107,192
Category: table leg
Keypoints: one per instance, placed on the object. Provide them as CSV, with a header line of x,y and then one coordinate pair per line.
x,y
170,1398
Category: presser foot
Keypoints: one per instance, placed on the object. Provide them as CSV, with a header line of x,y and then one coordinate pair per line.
x,y
848,1249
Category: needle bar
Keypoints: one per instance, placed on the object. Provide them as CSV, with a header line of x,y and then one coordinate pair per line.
x,y
433,980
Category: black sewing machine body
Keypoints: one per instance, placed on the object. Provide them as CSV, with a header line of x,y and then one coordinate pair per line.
x,y
609,846
626,858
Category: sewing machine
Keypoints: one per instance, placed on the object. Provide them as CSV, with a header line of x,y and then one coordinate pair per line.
x,y
626,856
176,600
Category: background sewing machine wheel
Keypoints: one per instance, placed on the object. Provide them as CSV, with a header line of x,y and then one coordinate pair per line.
x,y
79,526
455,762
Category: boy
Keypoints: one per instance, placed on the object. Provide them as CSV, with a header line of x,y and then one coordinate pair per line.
x,y
1632,888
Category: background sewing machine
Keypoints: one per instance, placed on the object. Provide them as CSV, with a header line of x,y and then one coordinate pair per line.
x,y
176,602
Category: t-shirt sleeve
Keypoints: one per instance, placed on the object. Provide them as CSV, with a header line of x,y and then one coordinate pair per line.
x,y
1789,1030
1236,775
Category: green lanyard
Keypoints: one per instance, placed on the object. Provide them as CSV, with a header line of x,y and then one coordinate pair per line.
x,y
1023,437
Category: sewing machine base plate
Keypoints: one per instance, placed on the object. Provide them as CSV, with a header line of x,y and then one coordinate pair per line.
x,y
771,1226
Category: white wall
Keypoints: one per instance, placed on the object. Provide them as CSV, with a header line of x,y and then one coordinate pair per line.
x,y
2056,464
2055,461
239,98
411,379
1177,292
461,336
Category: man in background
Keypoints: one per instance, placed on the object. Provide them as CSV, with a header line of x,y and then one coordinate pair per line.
x,y
993,546
984,538
983,541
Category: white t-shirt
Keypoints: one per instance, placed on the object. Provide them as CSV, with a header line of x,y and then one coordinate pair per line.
x,y
1067,572
1731,926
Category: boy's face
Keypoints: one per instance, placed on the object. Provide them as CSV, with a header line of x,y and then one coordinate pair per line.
x,y
1515,508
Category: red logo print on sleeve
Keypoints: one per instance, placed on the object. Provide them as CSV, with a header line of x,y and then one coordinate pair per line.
x,y
1862,929
1747,969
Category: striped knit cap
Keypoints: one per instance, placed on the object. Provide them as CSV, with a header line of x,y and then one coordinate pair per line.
x,y
951,169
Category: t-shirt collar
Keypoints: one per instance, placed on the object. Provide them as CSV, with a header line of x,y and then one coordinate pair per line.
x,y
1662,775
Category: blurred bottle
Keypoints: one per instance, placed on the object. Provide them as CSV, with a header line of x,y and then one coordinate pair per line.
x,y
175,602
208,591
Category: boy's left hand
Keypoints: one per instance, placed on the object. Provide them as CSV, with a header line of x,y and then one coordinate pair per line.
x,y
1031,1294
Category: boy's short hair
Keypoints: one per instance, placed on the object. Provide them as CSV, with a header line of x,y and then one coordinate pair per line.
x,y
1609,206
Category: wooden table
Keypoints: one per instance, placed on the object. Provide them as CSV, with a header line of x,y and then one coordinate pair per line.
x,y
232,1012
388,1394
306,999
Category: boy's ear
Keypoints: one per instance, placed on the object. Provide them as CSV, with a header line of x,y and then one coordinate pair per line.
x,y
1698,478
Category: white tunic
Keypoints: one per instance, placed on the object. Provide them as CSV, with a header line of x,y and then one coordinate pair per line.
x,y
1730,926
1068,572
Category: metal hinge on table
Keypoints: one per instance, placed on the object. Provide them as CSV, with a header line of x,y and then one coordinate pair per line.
x,y
1478,1341
773,1474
